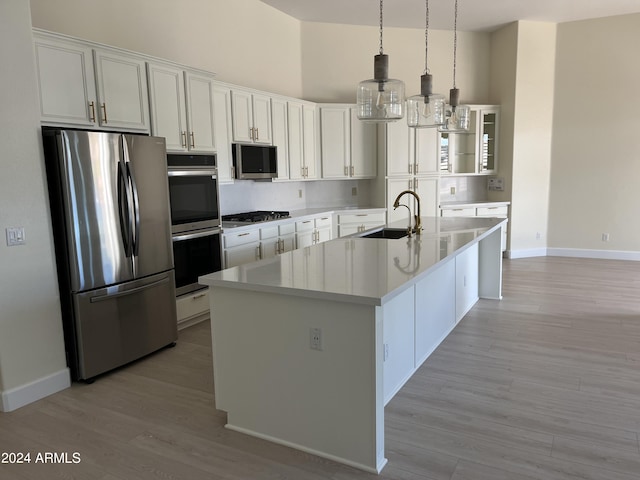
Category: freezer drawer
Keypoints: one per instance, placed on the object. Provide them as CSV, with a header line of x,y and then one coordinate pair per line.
x,y
122,323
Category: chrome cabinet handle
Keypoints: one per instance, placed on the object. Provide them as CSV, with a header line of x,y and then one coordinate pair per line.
x,y
258,252
184,139
257,134
193,140
104,110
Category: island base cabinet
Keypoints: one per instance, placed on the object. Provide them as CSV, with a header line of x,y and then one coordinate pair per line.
x,y
274,386
435,310
466,281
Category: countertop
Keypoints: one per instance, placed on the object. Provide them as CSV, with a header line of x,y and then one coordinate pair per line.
x,y
302,214
474,204
359,270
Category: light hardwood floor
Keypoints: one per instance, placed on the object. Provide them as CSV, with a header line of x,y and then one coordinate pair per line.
x,y
544,384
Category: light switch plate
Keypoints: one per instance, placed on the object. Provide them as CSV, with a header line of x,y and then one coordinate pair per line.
x,y
15,236
496,183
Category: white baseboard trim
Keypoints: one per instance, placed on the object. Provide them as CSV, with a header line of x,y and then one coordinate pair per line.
x,y
601,254
529,252
33,391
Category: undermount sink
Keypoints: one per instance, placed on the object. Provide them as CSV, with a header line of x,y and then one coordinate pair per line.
x,y
392,233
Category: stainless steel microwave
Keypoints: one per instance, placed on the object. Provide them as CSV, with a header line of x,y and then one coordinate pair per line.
x,y
255,162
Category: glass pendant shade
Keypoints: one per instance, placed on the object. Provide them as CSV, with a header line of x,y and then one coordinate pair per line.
x,y
426,110
380,99
457,117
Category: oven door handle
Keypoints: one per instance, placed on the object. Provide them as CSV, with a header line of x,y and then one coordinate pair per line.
x,y
189,236
193,173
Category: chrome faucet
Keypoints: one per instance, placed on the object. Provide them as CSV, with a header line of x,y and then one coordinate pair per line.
x,y
418,224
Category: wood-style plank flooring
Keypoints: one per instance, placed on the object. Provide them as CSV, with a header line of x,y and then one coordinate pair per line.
x,y
544,384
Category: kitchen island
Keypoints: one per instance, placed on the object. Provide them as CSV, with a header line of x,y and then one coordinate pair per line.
x,y
310,345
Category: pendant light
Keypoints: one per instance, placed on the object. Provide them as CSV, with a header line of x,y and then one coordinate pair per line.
x,y
380,99
457,116
428,108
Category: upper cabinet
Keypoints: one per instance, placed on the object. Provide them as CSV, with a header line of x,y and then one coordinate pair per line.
x,y
251,117
280,133
301,130
182,108
475,151
348,146
223,132
90,87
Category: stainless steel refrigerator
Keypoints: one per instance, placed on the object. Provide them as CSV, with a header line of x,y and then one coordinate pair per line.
x,y
109,204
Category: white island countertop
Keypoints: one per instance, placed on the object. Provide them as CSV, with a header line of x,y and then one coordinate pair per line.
x,y
359,270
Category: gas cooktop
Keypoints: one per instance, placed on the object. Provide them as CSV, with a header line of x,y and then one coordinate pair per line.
x,y
254,217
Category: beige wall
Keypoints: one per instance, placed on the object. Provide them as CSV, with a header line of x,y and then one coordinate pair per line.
x,y
245,42
595,175
31,345
337,57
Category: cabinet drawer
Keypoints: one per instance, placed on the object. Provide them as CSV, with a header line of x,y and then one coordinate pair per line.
x,y
322,222
235,239
270,232
304,225
493,211
458,212
287,228
366,218
196,303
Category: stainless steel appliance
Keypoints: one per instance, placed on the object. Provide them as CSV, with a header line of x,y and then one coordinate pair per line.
x,y
255,162
195,218
110,215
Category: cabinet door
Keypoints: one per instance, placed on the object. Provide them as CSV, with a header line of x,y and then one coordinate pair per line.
x,y
280,135
304,239
427,189
222,132
167,107
466,281
426,154
397,149
66,82
363,148
262,119
200,112
242,117
295,132
323,234
240,255
288,242
122,91
309,141
488,141
335,141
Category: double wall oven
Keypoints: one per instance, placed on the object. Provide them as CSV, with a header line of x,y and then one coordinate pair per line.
x,y
195,218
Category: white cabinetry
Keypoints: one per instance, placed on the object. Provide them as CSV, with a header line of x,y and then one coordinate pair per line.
x,y
280,133
182,108
251,117
276,240
348,146
466,280
222,128
192,308
350,223
241,247
475,151
92,87
302,140
313,230
489,210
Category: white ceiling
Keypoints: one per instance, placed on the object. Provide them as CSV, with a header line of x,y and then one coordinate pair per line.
x,y
473,15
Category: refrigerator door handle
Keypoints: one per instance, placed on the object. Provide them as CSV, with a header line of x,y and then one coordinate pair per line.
x,y
123,211
132,189
129,291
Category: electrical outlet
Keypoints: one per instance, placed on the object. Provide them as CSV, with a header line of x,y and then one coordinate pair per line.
x,y
299,193
354,191
452,190
605,237
315,338
538,235
385,353
15,236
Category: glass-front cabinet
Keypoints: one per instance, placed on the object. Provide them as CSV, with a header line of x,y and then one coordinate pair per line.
x,y
475,151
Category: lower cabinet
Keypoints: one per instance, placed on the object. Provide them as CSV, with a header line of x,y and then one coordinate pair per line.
x,y
277,240
192,308
241,247
350,223
314,230
499,211
419,319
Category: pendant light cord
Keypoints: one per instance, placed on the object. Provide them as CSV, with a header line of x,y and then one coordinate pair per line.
x,y
381,52
426,39
455,42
